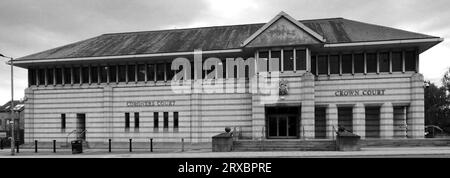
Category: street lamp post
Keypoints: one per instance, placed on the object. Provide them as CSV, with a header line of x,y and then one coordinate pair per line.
x,y
12,104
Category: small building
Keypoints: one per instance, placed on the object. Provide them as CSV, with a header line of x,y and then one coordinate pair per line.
x,y
5,119
285,79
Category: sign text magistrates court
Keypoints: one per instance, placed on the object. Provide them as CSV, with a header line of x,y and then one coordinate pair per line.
x,y
151,103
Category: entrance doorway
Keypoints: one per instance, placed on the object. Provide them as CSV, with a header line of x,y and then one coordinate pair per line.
x,y
282,122
81,126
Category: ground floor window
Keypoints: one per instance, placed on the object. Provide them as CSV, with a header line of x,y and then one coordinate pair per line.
x,y
320,123
345,118
372,122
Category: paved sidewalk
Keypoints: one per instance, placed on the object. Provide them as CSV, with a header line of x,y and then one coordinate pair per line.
x,y
365,152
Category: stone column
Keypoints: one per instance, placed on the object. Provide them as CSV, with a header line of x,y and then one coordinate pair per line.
x,y
108,113
331,120
28,116
308,104
416,119
387,121
359,120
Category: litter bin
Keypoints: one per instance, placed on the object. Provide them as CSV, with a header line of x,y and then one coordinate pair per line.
x,y
347,141
77,147
222,142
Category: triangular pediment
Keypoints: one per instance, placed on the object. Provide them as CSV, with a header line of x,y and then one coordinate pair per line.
x,y
283,30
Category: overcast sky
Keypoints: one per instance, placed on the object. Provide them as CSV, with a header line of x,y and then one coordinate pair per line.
x,y
30,26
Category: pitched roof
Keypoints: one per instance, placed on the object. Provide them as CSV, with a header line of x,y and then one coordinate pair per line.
x,y
18,105
334,30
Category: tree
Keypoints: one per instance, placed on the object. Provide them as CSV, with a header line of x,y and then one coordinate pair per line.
x,y
437,107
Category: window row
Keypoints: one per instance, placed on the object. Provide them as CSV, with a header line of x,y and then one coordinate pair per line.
x,y
100,74
155,121
367,62
289,59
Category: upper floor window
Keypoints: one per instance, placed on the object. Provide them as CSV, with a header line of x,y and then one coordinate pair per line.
x,y
41,76
160,72
94,74
288,60
85,74
334,64
122,73
371,62
358,63
131,73
384,62
397,61
141,72
347,64
410,61
104,74
67,75
50,76
112,74
58,75
76,75
322,64
300,59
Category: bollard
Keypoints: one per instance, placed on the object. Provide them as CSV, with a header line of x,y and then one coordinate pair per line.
x,y
130,145
151,145
109,140
182,144
17,146
54,146
35,146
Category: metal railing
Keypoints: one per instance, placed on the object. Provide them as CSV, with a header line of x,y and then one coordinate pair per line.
x,y
68,135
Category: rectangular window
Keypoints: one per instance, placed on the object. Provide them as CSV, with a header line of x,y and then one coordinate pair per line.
x,y
320,125
397,62
334,64
85,74
264,55
131,73
313,65
359,63
63,121
58,75
288,60
31,76
112,73
384,62
127,120
76,75
141,72
94,74
322,64
371,62
41,76
175,120
277,55
166,120
160,72
122,73
50,76
136,120
103,74
347,64
410,61
345,117
150,72
169,72
156,120
372,122
67,76
300,57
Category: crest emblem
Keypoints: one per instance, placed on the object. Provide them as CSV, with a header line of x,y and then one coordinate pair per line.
x,y
283,87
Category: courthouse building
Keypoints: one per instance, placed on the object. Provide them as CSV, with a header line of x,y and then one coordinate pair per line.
x,y
333,72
